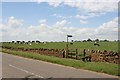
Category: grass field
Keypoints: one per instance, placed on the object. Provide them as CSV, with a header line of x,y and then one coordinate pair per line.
x,y
102,67
110,46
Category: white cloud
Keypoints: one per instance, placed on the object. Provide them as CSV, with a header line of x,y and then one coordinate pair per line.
x,y
58,31
2,26
108,29
62,17
83,21
92,8
12,22
61,23
12,28
81,16
96,6
43,21
89,15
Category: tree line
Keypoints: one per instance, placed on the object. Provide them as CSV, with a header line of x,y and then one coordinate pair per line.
x,y
87,40
96,40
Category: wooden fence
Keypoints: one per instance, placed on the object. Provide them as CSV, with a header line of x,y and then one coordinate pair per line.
x,y
85,55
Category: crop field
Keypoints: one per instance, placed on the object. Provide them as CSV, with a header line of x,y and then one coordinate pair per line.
x,y
109,46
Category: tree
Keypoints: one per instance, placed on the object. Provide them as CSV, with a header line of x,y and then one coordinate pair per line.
x,y
37,41
13,41
33,41
106,40
23,41
84,40
18,41
97,40
89,39
29,41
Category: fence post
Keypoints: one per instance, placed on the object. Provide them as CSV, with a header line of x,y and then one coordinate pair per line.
x,y
76,54
63,52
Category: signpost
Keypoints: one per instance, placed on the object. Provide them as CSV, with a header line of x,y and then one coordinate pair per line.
x,y
67,45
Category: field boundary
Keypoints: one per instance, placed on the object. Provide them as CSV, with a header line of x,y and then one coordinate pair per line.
x,y
85,55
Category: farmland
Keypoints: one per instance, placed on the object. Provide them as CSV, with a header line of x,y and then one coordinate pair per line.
x,y
109,46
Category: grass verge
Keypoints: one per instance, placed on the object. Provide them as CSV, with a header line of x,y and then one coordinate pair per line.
x,y
102,67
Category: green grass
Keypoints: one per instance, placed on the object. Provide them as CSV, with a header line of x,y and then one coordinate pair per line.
x,y
103,67
110,46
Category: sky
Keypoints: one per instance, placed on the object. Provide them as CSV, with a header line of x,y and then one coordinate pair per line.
x,y
47,20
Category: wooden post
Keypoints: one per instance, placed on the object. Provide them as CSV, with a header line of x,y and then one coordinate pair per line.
x,y
71,53
76,54
63,53
67,48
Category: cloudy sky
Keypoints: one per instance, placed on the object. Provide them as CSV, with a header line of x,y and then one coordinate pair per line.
x,y
47,20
